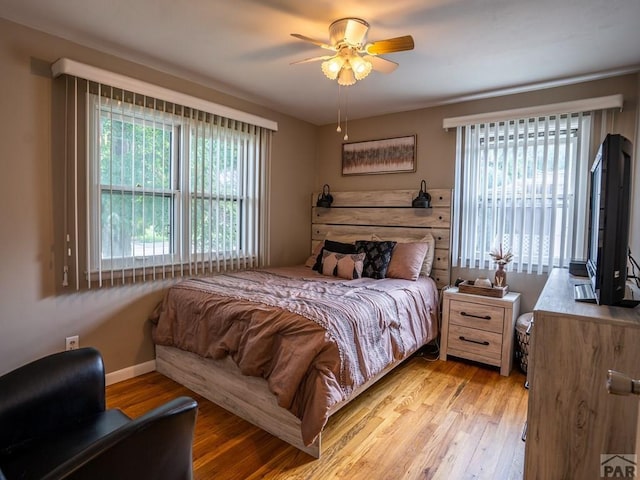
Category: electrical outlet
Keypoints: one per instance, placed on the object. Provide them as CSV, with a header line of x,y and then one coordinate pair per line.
x,y
72,343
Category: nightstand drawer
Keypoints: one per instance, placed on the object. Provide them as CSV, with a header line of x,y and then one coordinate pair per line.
x,y
475,315
481,342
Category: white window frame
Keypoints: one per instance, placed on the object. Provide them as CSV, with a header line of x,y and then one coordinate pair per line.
x,y
478,206
184,251
176,191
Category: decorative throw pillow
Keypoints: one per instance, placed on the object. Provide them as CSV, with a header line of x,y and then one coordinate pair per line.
x,y
316,254
406,260
378,256
311,261
427,263
337,247
342,265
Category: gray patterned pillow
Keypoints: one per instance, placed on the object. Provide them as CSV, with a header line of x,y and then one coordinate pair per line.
x,y
377,257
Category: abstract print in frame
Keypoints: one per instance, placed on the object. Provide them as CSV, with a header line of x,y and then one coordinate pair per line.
x,y
390,155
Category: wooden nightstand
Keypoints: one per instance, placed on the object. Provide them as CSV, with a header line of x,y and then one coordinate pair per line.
x,y
479,328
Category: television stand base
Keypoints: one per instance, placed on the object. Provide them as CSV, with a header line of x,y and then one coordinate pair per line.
x,y
583,292
628,303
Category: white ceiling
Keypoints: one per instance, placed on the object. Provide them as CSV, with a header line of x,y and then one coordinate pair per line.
x,y
463,48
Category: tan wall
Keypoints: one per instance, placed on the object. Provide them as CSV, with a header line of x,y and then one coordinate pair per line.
x,y
436,150
34,322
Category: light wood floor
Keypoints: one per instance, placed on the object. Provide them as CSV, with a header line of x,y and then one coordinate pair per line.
x,y
426,420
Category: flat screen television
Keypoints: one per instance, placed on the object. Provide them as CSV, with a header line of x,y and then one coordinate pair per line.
x,y
610,206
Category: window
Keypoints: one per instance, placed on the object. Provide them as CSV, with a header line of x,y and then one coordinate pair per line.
x,y
135,190
156,189
521,183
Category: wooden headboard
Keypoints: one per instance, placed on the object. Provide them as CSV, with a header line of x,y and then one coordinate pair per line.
x,y
389,212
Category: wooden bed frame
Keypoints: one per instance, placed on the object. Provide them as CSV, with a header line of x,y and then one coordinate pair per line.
x,y
385,213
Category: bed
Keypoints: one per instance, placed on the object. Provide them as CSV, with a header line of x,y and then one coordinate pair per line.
x,y
285,348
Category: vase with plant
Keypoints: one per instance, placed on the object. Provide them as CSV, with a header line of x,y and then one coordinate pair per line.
x,y
501,258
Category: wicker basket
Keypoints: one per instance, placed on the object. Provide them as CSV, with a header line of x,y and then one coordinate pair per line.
x,y
522,339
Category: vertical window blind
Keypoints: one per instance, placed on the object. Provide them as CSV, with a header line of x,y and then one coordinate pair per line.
x,y
156,189
522,184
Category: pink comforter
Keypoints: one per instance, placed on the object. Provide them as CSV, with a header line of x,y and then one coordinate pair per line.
x,y
313,338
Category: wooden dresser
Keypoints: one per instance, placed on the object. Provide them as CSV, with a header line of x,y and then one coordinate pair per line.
x,y
572,420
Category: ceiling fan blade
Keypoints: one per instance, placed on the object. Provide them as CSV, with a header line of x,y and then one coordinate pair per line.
x,y
312,40
381,64
313,59
390,45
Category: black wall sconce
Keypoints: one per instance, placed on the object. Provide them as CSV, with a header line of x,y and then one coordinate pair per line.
x,y
423,200
325,199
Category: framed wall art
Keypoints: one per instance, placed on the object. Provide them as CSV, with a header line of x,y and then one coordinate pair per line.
x,y
390,155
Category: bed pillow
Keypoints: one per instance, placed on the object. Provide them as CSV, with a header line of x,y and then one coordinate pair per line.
x,y
342,265
427,263
378,256
337,247
406,260
313,258
316,254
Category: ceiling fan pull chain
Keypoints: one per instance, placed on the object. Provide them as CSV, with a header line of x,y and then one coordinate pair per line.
x,y
339,129
346,116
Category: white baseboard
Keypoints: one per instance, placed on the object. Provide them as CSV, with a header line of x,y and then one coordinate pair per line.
x,y
130,372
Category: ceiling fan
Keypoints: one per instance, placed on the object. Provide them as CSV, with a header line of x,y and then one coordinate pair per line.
x,y
353,58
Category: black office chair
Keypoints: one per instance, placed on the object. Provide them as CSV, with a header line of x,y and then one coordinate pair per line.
x,y
54,425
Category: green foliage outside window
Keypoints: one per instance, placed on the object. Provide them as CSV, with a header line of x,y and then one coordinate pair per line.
x,y
140,186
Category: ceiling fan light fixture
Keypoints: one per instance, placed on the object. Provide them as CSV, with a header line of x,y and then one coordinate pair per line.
x,y
361,67
331,68
346,77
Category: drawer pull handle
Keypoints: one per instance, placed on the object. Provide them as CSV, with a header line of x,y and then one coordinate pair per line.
x,y
483,317
473,341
